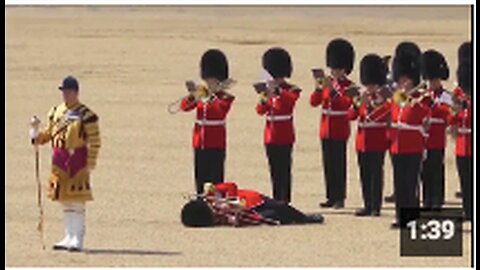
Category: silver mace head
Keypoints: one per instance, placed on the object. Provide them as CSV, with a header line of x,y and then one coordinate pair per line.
x,y
35,121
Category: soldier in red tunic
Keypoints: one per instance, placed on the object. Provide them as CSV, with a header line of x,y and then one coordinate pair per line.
x,y
212,107
331,94
277,104
226,204
408,134
435,70
461,122
373,113
402,47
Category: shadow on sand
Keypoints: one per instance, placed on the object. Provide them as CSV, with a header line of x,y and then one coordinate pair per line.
x,y
140,252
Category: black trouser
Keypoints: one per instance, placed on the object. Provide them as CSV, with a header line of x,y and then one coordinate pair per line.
x,y
209,167
433,179
371,177
464,168
406,169
334,155
280,211
280,164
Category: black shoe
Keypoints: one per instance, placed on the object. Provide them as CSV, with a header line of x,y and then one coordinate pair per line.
x,y
395,225
458,194
362,212
390,199
58,247
74,249
315,218
338,205
375,213
326,204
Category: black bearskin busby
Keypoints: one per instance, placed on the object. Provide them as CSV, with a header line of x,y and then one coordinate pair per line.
x,y
214,65
434,66
373,70
197,213
465,52
277,62
464,76
340,55
406,62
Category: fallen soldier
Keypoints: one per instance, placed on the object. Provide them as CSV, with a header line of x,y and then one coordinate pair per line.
x,y
225,204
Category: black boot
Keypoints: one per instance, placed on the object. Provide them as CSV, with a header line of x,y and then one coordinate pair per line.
x,y
362,212
390,199
338,205
326,204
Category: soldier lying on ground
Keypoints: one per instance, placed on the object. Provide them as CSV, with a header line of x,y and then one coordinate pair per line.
x,y
225,204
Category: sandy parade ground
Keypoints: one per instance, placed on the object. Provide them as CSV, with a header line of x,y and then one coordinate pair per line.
x,y
132,62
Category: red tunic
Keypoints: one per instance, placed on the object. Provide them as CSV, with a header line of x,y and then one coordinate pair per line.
x,y
230,190
209,131
372,131
334,121
463,119
440,113
278,110
407,133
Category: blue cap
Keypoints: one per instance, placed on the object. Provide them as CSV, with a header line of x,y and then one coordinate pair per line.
x,y
69,83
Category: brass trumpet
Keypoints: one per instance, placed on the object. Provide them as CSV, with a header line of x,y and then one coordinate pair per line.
x,y
200,92
402,97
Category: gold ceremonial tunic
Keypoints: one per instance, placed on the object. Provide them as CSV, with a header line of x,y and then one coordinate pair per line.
x,y
75,137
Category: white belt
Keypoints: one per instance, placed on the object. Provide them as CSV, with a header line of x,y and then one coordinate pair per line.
x,y
435,120
275,118
334,113
405,126
371,124
464,130
205,122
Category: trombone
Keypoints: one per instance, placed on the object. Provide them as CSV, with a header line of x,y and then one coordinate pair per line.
x,y
403,98
200,93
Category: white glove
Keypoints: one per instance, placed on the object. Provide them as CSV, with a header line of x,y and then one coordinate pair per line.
x,y
33,133
445,98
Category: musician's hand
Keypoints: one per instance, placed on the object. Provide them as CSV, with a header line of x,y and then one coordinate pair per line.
x,y
190,86
191,97
352,91
269,92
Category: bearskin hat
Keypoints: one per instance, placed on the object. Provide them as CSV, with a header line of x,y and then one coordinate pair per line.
x,y
434,66
214,65
465,52
340,54
277,62
464,76
373,70
406,62
197,213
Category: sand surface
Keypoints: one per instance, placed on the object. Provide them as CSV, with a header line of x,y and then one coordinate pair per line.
x,y
132,62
